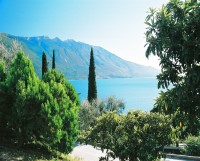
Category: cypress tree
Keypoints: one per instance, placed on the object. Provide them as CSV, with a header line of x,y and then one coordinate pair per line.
x,y
92,88
53,61
44,64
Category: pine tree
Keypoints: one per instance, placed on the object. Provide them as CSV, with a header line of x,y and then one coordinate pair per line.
x,y
44,64
53,61
92,88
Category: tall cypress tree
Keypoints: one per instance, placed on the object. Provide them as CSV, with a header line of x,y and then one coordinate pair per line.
x,y
92,88
53,61
44,64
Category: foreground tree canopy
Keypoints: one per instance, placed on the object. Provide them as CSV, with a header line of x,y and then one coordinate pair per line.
x,y
173,34
35,110
135,136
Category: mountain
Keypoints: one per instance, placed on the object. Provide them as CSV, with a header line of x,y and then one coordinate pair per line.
x,y
72,57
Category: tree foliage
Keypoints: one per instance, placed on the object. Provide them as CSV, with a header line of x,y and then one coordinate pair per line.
x,y
173,35
53,61
44,64
22,70
135,136
44,111
92,87
88,114
113,104
2,71
90,111
62,111
20,79
192,146
54,76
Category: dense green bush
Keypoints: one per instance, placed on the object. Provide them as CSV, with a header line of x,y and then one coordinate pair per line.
x,y
135,136
193,145
42,111
62,112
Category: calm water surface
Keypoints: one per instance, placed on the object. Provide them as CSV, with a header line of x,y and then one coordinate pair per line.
x,y
137,93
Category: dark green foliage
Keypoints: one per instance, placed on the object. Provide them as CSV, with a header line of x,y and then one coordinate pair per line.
x,y
44,64
53,60
173,35
20,80
6,103
168,103
92,87
135,136
2,71
39,111
192,146
194,1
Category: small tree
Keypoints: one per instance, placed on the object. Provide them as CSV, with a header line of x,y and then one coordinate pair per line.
x,y
53,61
44,64
92,87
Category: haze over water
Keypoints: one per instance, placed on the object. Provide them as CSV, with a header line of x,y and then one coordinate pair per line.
x,y
137,93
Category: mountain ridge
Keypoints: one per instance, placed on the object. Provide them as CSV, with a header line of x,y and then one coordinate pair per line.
x,y
72,58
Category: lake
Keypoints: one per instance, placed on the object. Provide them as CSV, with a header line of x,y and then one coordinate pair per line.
x,y
137,93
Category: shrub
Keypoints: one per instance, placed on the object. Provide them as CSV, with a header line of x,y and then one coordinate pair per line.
x,y
193,145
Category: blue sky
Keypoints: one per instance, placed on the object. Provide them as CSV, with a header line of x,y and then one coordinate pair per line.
x,y
116,25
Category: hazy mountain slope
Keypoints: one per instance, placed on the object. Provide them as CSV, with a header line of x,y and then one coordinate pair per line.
x,y
72,58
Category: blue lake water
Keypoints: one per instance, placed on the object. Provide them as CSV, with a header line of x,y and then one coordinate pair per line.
x,y
137,93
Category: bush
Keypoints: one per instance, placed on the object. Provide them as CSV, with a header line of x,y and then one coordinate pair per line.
x,y
193,145
135,136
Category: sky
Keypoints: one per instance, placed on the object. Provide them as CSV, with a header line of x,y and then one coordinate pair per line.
x,y
116,25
